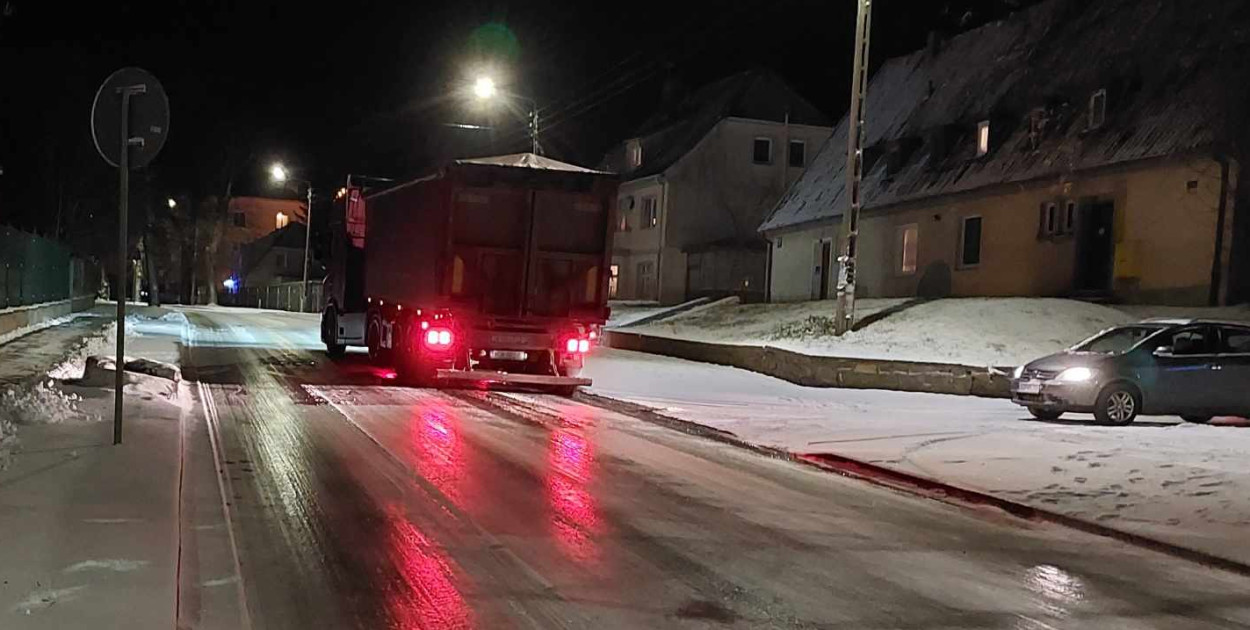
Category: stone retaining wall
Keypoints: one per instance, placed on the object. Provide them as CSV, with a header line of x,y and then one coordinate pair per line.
x,y
818,371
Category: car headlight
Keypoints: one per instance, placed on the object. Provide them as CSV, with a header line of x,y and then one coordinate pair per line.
x,y
1018,373
1076,375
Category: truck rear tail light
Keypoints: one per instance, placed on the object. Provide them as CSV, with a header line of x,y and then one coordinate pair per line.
x,y
438,338
570,346
583,345
574,345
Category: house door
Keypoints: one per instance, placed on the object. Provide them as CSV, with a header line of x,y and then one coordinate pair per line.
x,y
826,260
1095,252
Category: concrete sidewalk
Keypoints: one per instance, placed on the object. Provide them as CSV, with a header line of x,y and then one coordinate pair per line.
x,y
104,536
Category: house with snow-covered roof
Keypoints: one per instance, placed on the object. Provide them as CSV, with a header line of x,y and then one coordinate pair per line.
x,y
1077,148
697,179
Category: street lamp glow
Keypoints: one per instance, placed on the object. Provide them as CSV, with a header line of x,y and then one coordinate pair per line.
x,y
278,173
484,88
229,284
171,203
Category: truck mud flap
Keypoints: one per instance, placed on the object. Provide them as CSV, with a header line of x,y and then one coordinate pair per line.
x,y
490,377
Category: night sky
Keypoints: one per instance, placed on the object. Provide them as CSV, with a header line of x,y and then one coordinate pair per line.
x,y
368,87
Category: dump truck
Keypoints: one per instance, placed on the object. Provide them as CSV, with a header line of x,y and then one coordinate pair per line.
x,y
488,271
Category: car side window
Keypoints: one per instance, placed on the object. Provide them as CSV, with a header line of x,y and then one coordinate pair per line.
x,y
1234,340
1191,341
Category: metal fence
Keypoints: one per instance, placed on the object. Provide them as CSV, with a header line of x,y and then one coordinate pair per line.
x,y
282,297
34,270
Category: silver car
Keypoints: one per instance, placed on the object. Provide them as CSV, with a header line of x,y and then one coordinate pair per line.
x,y
1195,369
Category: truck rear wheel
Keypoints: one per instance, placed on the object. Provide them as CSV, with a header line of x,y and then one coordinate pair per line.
x,y
329,333
566,391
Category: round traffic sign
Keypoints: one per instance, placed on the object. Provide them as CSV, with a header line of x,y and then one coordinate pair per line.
x,y
137,94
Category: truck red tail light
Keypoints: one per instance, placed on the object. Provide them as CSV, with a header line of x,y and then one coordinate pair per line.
x,y
573,345
438,338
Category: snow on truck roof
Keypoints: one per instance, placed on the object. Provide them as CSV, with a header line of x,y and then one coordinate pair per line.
x,y
529,160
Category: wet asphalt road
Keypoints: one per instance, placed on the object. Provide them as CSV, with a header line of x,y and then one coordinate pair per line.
x,y
362,505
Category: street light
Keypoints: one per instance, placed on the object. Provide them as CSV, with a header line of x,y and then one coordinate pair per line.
x,y
280,175
171,203
484,89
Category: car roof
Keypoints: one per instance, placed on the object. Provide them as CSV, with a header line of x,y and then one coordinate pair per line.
x,y
1172,321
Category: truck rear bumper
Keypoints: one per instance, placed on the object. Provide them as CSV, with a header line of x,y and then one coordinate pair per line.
x,y
491,377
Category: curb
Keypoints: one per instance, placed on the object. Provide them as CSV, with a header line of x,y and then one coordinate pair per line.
x,y
825,371
916,485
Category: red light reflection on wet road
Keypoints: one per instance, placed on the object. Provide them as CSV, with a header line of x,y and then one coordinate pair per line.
x,y
427,596
438,451
574,513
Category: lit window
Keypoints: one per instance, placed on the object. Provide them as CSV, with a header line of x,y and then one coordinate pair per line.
x,y
1097,109
983,138
281,220
908,248
970,242
798,153
650,213
762,151
614,280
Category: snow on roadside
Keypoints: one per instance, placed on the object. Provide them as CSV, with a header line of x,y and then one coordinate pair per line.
x,y
26,330
41,403
970,331
1159,477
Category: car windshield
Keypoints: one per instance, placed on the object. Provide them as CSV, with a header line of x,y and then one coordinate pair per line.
x,y
1117,340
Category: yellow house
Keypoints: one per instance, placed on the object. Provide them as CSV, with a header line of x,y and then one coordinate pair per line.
x,y
1084,149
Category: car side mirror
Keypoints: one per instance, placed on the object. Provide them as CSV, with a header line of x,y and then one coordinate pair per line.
x,y
1163,351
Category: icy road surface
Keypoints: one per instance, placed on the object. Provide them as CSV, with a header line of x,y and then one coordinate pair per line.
x,y
361,505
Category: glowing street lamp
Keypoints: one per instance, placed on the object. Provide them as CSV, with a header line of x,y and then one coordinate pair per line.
x,y
171,203
280,175
484,88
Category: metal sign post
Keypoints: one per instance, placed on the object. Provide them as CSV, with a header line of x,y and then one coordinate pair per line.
x,y
115,108
844,318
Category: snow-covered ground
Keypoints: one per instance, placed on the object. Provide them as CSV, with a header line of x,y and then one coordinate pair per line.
x,y
626,313
970,331
1185,484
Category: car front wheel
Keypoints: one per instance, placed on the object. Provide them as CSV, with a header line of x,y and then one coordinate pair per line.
x,y
1118,404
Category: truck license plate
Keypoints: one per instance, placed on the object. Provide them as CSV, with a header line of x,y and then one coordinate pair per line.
x,y
1029,387
509,355
506,340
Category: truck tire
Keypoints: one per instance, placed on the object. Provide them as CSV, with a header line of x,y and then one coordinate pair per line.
x,y
373,340
565,391
329,331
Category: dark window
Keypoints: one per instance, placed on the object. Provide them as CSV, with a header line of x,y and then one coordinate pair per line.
x,y
239,219
1191,341
1235,340
1097,109
798,153
650,213
762,151
1049,219
1069,217
970,242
